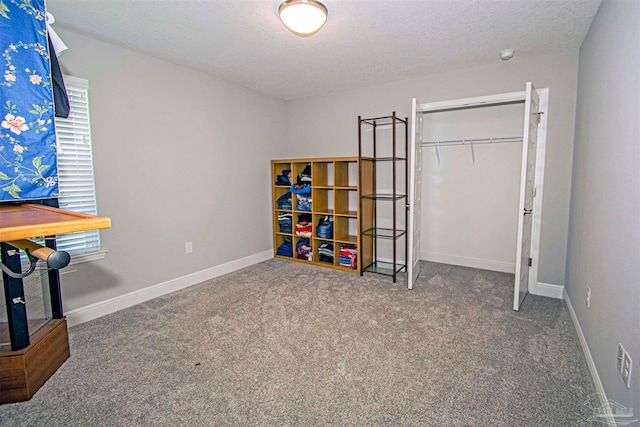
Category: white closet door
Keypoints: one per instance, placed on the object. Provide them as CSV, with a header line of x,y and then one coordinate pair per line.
x,y
527,194
415,194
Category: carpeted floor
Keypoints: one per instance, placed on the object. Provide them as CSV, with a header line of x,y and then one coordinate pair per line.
x,y
282,343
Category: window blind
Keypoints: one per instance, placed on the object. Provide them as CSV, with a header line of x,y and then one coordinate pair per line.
x,y
75,167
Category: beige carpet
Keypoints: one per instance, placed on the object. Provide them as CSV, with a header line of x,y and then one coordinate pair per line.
x,y
282,343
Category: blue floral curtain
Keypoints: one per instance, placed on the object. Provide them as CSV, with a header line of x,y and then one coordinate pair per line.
x,y
28,167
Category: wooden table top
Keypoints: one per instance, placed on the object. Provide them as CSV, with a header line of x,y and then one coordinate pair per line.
x,y
27,220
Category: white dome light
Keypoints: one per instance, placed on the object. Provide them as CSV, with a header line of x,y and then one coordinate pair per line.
x,y
507,54
303,17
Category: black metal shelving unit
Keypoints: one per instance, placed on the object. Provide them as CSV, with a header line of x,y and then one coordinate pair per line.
x,y
382,191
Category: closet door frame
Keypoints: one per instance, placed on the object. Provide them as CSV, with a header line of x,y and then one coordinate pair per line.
x,y
415,195
503,98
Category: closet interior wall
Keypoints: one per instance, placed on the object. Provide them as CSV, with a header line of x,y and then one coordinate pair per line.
x,y
470,192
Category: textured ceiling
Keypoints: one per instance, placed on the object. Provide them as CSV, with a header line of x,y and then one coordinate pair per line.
x,y
364,42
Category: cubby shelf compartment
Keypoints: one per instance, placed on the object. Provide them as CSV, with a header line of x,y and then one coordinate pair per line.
x,y
335,194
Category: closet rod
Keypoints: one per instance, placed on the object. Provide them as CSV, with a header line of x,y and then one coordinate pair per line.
x,y
473,141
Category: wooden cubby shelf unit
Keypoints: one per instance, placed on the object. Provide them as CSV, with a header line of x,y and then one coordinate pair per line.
x,y
334,197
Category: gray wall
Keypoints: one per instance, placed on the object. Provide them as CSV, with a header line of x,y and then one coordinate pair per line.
x,y
179,156
327,126
604,239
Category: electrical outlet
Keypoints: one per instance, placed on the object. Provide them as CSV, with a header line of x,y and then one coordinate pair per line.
x,y
626,369
188,247
621,352
588,297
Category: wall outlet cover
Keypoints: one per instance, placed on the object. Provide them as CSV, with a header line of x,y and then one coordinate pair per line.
x,y
620,361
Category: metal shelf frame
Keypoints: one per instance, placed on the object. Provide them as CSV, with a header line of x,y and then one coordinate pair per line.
x,y
370,198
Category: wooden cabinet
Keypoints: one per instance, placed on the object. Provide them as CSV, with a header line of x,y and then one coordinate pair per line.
x,y
317,222
31,357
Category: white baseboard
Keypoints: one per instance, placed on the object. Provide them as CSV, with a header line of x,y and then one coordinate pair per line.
x,y
102,308
549,290
483,264
606,414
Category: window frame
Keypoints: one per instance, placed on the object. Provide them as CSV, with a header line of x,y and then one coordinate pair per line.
x,y
68,132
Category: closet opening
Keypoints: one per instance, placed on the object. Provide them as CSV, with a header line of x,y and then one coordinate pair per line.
x,y
471,182
477,172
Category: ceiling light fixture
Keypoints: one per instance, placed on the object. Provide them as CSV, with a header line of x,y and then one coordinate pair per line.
x,y
507,54
303,17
